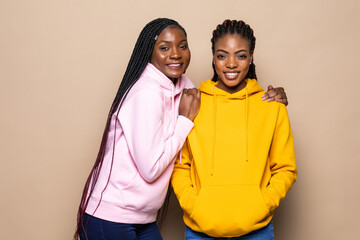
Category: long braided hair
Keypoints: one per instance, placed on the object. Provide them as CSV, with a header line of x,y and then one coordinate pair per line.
x,y
139,59
234,27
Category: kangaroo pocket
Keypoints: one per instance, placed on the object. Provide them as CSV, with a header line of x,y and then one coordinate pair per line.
x,y
143,196
229,210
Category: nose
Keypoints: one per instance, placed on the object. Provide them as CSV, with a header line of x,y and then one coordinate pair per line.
x,y
175,53
231,62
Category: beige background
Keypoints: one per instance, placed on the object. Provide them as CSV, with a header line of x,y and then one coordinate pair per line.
x,y
61,63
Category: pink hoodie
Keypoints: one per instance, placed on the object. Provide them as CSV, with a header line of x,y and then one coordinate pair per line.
x,y
148,135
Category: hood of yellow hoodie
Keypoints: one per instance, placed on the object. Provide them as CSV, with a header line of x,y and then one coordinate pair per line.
x,y
209,87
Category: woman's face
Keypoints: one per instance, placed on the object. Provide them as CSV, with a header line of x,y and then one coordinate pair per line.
x,y
171,54
232,59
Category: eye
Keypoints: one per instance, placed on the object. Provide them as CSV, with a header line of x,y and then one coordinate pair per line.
x,y
164,48
220,56
184,46
242,56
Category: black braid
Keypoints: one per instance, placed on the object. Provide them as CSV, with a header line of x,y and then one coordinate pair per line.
x,y
140,57
235,27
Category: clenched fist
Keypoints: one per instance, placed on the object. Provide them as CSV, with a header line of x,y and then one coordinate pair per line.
x,y
190,103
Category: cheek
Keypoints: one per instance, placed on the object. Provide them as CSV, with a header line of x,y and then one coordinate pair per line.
x,y
218,67
157,58
187,57
246,68
153,60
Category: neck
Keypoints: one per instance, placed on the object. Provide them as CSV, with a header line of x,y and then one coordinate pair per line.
x,y
231,89
174,80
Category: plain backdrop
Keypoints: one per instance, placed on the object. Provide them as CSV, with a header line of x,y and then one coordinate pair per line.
x,y
61,63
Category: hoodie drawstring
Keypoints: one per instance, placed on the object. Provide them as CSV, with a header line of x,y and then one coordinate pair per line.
x,y
246,126
212,163
174,112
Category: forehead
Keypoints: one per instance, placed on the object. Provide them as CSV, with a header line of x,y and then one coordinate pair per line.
x,y
232,41
171,33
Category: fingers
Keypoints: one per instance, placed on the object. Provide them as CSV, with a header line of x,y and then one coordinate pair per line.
x,y
266,96
272,92
192,91
280,96
275,94
198,93
282,100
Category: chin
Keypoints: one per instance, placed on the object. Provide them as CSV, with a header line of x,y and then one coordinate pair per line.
x,y
232,83
172,76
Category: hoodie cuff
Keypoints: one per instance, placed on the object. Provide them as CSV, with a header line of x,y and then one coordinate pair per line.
x,y
183,127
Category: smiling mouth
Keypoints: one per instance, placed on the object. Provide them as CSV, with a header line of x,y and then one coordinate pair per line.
x,y
175,65
231,75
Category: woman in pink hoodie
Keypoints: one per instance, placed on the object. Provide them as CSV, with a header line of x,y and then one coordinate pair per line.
x,y
148,122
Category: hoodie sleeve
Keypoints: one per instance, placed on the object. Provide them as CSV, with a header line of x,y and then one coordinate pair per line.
x,y
282,161
181,181
142,123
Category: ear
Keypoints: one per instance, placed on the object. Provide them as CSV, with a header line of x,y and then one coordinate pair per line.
x,y
251,56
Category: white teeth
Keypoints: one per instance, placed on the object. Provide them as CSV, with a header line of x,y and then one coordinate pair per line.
x,y
174,65
231,74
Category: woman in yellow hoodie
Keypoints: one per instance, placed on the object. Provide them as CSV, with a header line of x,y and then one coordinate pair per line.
x,y
238,161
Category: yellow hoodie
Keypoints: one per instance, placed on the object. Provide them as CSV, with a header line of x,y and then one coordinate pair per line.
x,y
237,163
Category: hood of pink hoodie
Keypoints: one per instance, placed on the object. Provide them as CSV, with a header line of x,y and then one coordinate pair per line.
x,y
171,89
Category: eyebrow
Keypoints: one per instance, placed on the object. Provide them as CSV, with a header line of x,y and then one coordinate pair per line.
x,y
241,50
163,41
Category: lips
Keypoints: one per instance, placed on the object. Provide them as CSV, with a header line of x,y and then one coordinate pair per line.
x,y
175,65
231,75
